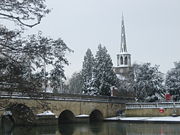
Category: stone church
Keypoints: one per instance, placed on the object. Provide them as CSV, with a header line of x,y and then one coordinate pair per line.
x,y
123,68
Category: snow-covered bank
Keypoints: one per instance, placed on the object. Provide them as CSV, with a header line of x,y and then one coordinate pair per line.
x,y
46,113
82,116
145,119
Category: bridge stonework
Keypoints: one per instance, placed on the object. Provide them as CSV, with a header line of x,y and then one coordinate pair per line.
x,y
108,109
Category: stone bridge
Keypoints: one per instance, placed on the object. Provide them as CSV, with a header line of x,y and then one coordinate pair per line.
x,y
65,106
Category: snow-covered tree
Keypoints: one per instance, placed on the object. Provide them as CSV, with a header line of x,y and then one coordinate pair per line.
x,y
34,53
41,52
103,75
87,70
29,54
76,83
23,12
125,88
173,79
148,80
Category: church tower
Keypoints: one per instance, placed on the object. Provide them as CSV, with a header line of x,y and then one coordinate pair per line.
x,y
123,67
123,58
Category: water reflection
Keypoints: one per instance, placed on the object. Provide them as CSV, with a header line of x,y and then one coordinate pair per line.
x,y
96,128
108,128
7,125
66,129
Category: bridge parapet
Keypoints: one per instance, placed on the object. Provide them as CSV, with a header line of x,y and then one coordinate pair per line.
x,y
66,97
153,105
152,109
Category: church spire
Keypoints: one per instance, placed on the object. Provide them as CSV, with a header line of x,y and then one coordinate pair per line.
x,y
123,37
123,58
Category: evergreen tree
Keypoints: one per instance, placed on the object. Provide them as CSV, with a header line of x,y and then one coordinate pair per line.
x,y
103,75
87,71
148,81
173,80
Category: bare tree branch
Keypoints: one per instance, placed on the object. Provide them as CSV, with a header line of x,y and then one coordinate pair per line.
x,y
19,20
22,12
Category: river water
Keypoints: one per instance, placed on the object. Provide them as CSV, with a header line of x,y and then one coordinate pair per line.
x,y
105,128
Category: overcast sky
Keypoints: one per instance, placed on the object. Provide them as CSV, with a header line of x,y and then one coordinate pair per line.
x,y
152,29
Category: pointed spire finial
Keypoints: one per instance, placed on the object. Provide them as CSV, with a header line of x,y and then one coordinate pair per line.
x,y
123,37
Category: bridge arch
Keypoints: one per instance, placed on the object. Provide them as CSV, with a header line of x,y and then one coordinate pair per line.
x,y
20,114
96,116
66,116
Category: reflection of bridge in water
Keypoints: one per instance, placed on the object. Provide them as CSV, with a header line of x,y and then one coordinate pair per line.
x,y
105,128
65,106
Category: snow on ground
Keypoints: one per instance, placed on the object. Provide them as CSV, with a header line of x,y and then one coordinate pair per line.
x,y
7,113
113,118
82,115
168,119
45,113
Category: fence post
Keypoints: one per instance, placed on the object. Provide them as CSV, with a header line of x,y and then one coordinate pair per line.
x,y
157,105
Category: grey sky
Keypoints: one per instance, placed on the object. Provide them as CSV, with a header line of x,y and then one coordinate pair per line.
x,y
152,29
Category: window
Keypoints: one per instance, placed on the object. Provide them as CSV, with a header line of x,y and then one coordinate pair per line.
x,y
126,60
121,60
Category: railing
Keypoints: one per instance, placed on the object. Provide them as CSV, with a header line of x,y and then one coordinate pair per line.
x,y
153,105
65,97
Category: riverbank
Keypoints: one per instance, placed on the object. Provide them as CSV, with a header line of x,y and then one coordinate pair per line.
x,y
167,119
